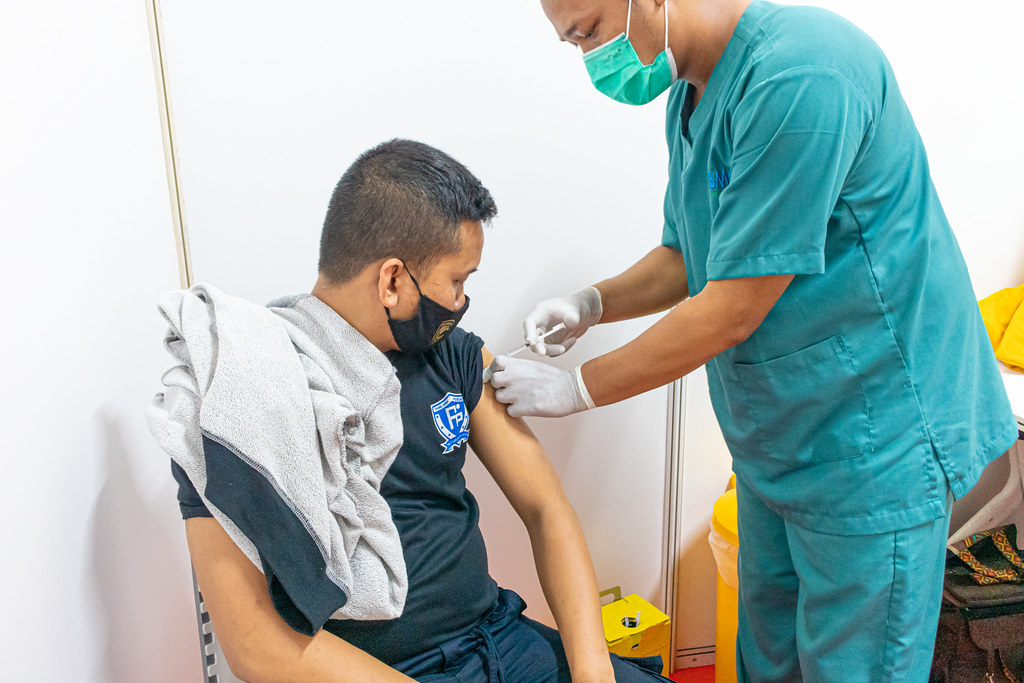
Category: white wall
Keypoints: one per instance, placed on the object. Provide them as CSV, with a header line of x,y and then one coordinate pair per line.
x,y
270,108
95,566
95,571
958,71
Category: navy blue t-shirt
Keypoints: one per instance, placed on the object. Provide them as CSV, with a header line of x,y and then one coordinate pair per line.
x,y
437,518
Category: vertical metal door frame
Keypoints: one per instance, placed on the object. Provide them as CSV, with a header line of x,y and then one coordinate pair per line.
x,y
156,37
675,428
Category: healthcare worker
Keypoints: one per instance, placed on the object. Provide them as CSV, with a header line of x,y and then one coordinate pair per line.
x,y
808,263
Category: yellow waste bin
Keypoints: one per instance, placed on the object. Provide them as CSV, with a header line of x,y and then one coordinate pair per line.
x,y
634,627
724,540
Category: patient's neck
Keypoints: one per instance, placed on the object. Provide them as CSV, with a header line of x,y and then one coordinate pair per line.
x,y
360,306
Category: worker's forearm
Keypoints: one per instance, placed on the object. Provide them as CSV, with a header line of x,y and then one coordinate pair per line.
x,y
651,285
721,316
566,574
683,340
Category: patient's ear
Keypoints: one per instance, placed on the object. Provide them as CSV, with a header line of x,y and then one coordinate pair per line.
x,y
388,278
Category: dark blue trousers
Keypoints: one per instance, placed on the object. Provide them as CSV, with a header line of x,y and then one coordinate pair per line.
x,y
506,647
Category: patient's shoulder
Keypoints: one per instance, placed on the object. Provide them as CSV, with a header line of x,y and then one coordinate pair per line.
x,y
460,353
464,342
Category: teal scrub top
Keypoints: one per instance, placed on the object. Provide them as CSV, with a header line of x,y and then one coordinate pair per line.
x,y
872,383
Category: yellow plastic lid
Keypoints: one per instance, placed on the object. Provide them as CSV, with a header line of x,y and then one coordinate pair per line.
x,y
620,617
723,517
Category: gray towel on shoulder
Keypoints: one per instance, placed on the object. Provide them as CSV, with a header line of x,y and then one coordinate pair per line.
x,y
286,419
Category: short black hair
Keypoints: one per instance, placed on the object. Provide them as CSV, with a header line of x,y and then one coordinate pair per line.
x,y
401,199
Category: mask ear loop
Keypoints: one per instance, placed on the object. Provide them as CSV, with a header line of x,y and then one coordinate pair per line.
x,y
666,22
413,279
629,16
416,284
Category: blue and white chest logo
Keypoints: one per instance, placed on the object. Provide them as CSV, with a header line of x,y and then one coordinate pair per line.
x,y
451,420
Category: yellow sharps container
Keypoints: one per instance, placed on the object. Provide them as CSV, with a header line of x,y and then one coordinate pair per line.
x,y
634,627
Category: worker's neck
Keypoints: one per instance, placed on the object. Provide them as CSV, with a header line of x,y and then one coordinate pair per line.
x,y
357,302
699,36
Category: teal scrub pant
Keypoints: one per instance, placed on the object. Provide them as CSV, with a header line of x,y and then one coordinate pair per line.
x,y
822,607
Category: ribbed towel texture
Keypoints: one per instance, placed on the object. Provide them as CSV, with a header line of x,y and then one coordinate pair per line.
x,y
286,419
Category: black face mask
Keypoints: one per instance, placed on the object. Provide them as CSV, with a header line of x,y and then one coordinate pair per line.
x,y
431,323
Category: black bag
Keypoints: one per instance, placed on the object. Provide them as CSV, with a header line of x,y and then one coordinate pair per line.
x,y
981,627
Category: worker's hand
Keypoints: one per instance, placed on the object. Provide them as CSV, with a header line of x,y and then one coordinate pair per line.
x,y
577,311
530,387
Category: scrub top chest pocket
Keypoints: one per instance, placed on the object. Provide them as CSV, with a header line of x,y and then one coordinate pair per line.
x,y
808,406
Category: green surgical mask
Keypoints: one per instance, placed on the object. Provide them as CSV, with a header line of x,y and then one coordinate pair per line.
x,y
616,70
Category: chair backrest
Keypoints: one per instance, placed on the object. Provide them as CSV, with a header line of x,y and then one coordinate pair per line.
x,y
215,667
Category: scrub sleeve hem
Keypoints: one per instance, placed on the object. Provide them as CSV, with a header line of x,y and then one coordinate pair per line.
x,y
809,263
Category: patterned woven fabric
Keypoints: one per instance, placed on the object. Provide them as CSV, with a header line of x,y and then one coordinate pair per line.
x,y
992,556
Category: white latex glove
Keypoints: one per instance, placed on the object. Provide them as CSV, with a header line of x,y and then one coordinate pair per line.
x,y
578,311
530,387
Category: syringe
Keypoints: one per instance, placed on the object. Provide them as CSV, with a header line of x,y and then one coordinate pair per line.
x,y
556,328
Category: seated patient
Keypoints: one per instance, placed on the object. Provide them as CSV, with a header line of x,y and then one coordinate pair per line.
x,y
402,234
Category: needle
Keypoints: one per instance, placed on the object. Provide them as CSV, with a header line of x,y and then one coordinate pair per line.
x,y
527,345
